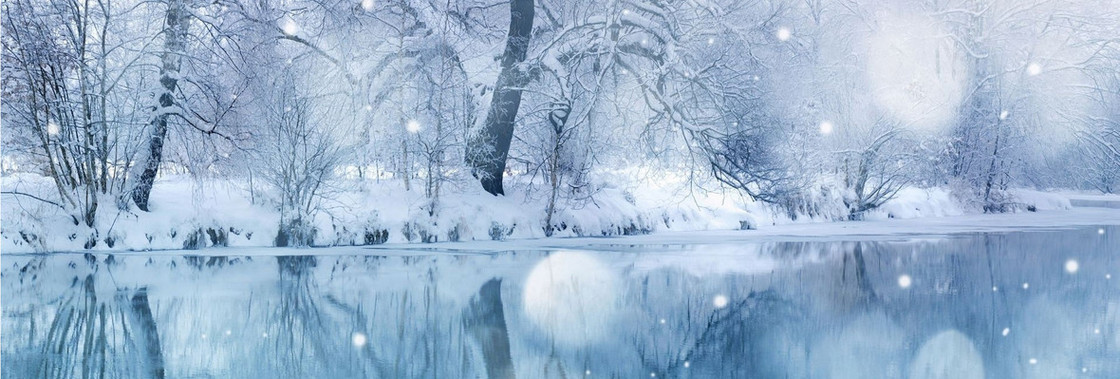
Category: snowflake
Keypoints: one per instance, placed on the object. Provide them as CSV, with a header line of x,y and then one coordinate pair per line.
x,y
1034,69
1072,266
290,28
720,301
783,34
826,129
412,126
358,339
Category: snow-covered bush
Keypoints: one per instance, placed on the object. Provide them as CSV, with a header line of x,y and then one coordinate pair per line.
x,y
298,156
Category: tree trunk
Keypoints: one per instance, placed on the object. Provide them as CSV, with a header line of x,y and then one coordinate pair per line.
x,y
485,322
175,35
488,151
147,339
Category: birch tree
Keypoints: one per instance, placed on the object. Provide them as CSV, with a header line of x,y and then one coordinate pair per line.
x,y
174,34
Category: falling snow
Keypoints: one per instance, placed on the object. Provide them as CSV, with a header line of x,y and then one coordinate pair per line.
x,y
904,281
290,27
720,301
783,34
826,127
412,126
358,340
1034,69
456,189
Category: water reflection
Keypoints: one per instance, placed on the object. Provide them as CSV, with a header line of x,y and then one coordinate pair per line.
x,y
975,306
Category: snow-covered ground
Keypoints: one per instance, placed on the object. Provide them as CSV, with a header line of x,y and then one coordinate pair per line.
x,y
217,213
915,229
873,230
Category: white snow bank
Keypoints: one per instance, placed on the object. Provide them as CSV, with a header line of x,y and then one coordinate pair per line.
x,y
1040,200
917,202
192,214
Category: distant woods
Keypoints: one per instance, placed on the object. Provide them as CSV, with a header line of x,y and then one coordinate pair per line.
x,y
796,104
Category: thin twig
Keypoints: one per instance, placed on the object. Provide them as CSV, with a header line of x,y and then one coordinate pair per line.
x,y
33,197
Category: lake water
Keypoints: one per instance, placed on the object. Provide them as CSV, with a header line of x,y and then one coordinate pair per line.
x,y
1032,304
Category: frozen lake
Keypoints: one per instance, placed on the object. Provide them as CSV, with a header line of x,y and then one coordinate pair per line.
x,y
1034,303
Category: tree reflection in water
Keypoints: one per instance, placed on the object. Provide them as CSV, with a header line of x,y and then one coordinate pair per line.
x,y
91,337
787,309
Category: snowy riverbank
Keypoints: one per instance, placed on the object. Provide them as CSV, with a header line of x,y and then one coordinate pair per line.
x,y
192,214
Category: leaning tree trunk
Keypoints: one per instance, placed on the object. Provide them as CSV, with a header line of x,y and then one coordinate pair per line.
x,y
147,336
485,321
174,43
489,149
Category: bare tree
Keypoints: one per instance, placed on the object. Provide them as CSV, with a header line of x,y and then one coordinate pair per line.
x,y
875,174
301,155
57,59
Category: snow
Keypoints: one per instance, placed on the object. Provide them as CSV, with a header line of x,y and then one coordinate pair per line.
x,y
904,281
412,126
719,301
916,72
1072,266
826,127
645,24
185,210
358,339
1034,69
917,202
644,245
783,34
289,26
405,301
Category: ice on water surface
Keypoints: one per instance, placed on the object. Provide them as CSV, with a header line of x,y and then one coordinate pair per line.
x,y
839,309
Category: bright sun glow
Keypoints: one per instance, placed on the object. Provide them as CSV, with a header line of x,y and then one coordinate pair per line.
x,y
916,73
572,296
949,354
